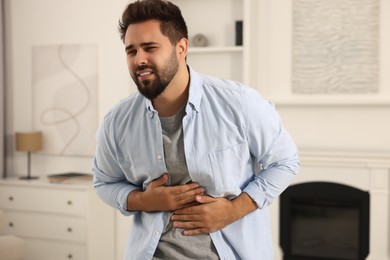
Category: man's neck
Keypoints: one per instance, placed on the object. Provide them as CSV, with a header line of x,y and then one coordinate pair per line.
x,y
175,96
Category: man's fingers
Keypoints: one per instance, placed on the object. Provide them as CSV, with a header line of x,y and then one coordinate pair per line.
x,y
160,181
189,195
184,219
192,228
187,199
187,192
185,188
196,196
167,198
187,224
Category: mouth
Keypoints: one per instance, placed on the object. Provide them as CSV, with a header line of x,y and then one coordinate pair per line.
x,y
144,74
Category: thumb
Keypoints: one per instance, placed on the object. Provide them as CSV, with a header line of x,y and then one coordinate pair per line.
x,y
161,180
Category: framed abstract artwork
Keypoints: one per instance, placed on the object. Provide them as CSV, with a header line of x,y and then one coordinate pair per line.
x,y
64,80
328,52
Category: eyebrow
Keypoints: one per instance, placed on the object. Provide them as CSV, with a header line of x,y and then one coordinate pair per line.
x,y
144,44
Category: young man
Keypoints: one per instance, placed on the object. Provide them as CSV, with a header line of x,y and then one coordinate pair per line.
x,y
195,159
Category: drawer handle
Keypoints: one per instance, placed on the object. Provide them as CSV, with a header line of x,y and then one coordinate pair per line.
x,y
70,256
70,202
11,224
10,198
69,229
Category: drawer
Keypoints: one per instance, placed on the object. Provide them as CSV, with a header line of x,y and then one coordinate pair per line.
x,y
41,199
49,250
35,225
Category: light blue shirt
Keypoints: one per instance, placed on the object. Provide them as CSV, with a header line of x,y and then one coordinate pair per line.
x,y
234,142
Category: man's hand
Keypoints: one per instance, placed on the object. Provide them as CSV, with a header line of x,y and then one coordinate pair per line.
x,y
212,214
158,197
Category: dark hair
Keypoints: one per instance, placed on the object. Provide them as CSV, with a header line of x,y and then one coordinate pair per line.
x,y
172,22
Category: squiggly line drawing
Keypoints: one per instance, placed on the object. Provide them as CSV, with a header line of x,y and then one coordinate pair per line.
x,y
68,116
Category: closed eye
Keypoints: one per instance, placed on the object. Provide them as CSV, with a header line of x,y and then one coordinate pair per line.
x,y
150,48
131,52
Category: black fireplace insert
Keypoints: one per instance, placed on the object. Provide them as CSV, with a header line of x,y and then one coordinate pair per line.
x,y
324,221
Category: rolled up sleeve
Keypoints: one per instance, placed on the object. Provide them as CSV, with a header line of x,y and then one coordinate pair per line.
x,y
272,147
110,182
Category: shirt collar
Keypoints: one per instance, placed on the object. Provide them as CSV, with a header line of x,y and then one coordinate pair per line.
x,y
196,89
195,93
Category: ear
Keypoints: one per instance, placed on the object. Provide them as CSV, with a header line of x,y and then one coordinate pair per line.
x,y
182,48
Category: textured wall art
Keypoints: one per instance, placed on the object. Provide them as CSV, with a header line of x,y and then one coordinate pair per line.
x,y
335,46
65,97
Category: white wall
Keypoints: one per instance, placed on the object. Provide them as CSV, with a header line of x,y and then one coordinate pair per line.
x,y
46,22
354,127
350,128
2,81
329,122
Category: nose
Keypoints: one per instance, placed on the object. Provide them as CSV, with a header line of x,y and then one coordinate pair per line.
x,y
140,58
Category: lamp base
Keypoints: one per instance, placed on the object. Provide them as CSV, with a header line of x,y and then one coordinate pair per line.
x,y
29,178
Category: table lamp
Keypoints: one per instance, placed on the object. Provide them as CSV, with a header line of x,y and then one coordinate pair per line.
x,y
28,142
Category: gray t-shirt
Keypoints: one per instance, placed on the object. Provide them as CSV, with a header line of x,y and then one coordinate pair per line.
x,y
173,244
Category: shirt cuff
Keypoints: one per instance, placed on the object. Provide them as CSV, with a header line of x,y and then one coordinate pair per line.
x,y
257,194
122,200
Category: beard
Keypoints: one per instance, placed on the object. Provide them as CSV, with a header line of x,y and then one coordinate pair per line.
x,y
152,88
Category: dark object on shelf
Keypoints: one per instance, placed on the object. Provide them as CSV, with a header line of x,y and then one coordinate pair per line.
x,y
239,33
70,177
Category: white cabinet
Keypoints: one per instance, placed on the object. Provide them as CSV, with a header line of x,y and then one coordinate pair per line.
x,y
216,20
58,221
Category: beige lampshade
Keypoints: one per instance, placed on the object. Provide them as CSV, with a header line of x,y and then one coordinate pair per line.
x,y
28,141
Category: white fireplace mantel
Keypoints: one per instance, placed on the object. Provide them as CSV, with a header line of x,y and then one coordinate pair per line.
x,y
366,171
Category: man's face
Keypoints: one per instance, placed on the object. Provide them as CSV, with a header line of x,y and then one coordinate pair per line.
x,y
151,58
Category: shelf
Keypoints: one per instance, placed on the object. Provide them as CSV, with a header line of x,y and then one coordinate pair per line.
x,y
215,49
217,21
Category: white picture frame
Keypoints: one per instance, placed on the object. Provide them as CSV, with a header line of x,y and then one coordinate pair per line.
x,y
275,59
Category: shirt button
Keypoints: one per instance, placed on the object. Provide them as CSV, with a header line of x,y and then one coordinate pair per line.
x,y
157,234
159,157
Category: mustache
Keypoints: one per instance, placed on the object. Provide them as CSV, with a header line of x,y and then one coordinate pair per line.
x,y
142,67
